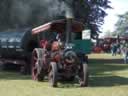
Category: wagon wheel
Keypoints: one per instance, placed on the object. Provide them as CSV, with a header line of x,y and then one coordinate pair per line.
x,y
26,68
37,65
2,66
53,74
84,75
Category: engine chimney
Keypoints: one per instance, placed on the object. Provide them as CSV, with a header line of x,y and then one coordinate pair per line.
x,y
69,17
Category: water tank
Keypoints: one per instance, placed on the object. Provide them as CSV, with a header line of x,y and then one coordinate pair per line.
x,y
13,43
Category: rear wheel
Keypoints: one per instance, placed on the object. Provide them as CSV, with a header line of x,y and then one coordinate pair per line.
x,y
84,75
37,65
53,74
1,66
26,68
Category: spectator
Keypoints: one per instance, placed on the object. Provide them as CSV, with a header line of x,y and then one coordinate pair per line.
x,y
125,52
118,48
113,49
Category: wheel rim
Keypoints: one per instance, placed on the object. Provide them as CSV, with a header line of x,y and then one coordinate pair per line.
x,y
84,76
34,65
51,79
53,75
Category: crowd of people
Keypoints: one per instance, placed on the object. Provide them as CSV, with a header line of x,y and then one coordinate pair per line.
x,y
120,48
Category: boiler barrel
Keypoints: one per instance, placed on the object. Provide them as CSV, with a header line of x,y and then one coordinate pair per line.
x,y
12,44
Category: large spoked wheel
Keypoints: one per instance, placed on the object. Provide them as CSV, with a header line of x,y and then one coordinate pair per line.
x,y
53,74
37,65
84,75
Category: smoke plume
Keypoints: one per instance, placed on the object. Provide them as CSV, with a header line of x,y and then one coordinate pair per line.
x,y
36,12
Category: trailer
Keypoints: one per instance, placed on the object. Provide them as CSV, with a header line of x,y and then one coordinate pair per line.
x,y
15,48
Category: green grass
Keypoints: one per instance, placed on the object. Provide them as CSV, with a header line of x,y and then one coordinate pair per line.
x,y
106,79
105,56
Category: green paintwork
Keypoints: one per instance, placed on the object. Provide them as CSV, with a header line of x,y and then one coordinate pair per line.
x,y
83,46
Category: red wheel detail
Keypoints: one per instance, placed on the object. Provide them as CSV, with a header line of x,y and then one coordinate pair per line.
x,y
37,64
53,75
34,66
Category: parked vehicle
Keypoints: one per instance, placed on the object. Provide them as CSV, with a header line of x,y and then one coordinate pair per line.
x,y
14,48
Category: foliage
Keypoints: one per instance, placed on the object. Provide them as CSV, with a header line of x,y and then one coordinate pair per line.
x,y
108,33
92,13
122,24
22,13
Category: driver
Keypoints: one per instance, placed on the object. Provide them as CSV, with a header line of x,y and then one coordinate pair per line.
x,y
57,44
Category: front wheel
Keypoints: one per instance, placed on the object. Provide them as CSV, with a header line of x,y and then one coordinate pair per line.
x,y
37,65
84,75
53,74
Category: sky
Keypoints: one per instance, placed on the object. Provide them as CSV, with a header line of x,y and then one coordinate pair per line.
x,y
119,7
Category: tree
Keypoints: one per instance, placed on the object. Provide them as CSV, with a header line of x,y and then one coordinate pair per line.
x,y
122,24
108,33
29,13
92,12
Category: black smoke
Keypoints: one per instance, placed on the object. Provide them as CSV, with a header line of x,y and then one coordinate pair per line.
x,y
29,13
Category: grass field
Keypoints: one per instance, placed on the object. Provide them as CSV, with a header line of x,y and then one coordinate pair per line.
x,y
106,79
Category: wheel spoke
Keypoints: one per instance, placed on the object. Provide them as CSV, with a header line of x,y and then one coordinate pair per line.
x,y
83,75
34,66
37,72
53,75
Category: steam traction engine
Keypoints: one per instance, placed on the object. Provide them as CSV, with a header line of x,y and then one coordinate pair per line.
x,y
62,56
